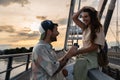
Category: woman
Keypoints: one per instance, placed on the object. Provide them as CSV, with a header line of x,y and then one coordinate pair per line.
x,y
93,36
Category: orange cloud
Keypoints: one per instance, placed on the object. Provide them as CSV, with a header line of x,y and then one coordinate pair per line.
x,y
7,28
8,2
41,17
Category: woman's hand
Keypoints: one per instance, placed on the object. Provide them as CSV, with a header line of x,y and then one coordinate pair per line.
x,y
72,51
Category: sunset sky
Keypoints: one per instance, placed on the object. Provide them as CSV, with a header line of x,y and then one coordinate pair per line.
x,y
20,19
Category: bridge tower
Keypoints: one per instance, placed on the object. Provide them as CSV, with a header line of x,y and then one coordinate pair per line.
x,y
73,32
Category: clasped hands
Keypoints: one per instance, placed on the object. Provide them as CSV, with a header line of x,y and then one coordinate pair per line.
x,y
72,52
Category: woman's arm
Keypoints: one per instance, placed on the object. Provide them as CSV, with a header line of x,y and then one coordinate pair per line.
x,y
77,21
93,47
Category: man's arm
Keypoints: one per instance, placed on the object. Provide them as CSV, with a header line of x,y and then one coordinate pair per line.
x,y
66,57
63,62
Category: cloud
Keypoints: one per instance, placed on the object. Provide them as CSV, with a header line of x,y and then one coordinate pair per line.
x,y
7,28
84,0
41,17
15,35
29,35
62,21
95,3
22,35
67,5
8,2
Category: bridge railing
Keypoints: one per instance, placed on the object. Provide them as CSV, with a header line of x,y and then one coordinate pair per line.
x,y
10,63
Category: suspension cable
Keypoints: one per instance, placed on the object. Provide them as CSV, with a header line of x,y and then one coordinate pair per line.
x,y
117,29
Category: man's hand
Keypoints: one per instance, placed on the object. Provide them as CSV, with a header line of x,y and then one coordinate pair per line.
x,y
72,51
66,57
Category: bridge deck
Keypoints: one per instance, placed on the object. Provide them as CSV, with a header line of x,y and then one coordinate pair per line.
x,y
23,76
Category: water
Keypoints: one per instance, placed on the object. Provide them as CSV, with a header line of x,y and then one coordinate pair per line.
x,y
14,72
2,67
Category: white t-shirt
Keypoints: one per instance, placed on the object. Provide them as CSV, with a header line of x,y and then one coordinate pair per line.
x,y
86,38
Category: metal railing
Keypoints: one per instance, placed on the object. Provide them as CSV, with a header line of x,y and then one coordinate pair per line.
x,y
113,69
113,72
10,63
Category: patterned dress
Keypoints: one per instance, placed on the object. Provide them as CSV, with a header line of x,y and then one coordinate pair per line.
x,y
45,63
87,60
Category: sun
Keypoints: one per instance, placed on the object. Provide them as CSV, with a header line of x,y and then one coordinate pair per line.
x,y
34,26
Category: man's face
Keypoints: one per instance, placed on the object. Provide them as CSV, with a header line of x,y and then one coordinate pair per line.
x,y
54,35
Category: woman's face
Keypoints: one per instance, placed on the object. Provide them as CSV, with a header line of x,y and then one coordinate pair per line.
x,y
86,18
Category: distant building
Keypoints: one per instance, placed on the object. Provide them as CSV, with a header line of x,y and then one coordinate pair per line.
x,y
114,49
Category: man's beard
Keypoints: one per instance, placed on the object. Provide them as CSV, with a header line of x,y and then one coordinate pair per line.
x,y
53,38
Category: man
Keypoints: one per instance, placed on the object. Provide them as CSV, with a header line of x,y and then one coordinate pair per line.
x,y
45,65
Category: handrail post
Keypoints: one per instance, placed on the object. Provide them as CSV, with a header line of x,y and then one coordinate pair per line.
x,y
28,61
9,66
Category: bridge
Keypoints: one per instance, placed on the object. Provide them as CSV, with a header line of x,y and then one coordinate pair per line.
x,y
73,34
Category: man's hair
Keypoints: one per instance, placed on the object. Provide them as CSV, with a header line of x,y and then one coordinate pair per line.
x,y
47,25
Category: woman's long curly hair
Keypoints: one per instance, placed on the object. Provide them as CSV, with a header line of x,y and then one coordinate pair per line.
x,y
95,23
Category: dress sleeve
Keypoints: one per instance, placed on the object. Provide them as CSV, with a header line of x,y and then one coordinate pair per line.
x,y
100,40
47,61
